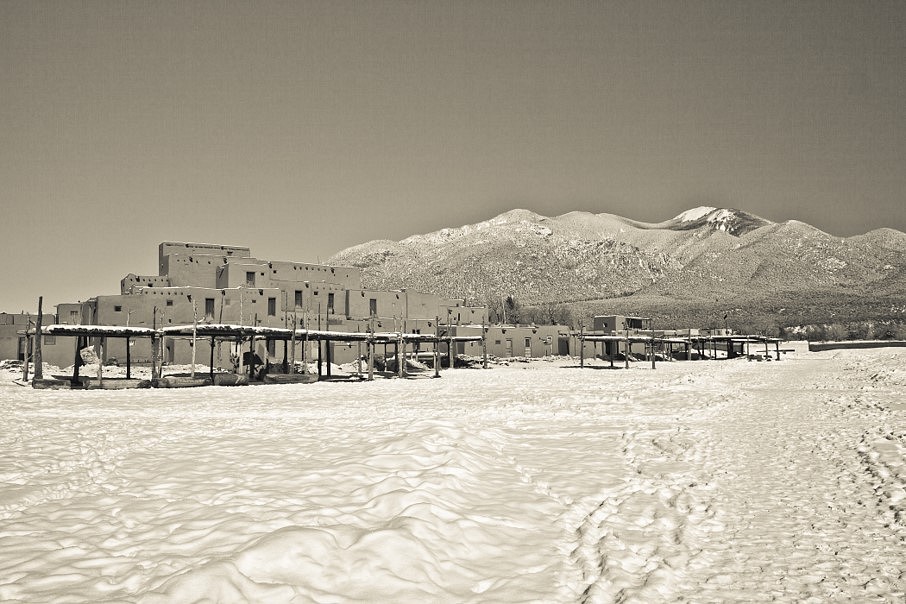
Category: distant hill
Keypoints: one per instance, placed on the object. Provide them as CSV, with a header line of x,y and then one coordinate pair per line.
x,y
691,269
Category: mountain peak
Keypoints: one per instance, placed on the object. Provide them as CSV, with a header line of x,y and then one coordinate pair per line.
x,y
695,214
730,221
517,215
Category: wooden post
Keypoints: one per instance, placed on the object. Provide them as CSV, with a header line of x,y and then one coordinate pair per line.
x,y
38,359
436,347
252,357
220,321
371,356
212,359
581,346
610,346
155,346
451,351
777,344
626,356
484,345
653,351
293,341
286,342
400,351
358,355
128,359
241,356
326,342
194,331
28,352
304,350
78,360
100,362
320,368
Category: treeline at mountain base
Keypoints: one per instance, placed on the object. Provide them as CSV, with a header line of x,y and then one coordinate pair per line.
x,y
837,317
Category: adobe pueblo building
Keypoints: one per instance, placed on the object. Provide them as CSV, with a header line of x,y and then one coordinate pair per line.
x,y
223,284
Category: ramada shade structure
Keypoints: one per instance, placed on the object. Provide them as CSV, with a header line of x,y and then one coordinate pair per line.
x,y
239,333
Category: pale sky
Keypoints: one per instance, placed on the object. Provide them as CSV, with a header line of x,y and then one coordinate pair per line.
x,y
301,128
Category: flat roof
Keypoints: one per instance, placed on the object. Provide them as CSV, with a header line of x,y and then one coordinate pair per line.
x,y
97,330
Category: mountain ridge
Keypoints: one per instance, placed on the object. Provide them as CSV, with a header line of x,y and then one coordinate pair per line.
x,y
704,257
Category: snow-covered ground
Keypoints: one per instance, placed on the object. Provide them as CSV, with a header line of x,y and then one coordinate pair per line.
x,y
699,481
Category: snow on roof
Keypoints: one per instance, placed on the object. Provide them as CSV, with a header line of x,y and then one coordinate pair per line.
x,y
223,329
97,330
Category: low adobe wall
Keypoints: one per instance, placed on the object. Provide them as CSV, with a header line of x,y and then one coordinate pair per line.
x,y
818,347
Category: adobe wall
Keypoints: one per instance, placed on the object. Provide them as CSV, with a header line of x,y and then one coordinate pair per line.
x,y
388,304
299,272
131,282
422,306
609,323
234,274
12,345
184,248
175,306
319,301
459,314
191,270
74,313
519,341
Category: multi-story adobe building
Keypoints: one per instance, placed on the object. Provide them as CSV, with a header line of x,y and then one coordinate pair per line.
x,y
214,283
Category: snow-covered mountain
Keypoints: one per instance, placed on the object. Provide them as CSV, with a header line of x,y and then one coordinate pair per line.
x,y
704,258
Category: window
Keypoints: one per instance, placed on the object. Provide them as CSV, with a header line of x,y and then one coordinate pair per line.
x,y
50,340
298,298
372,307
117,308
169,302
330,303
272,347
73,316
272,307
250,278
209,308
